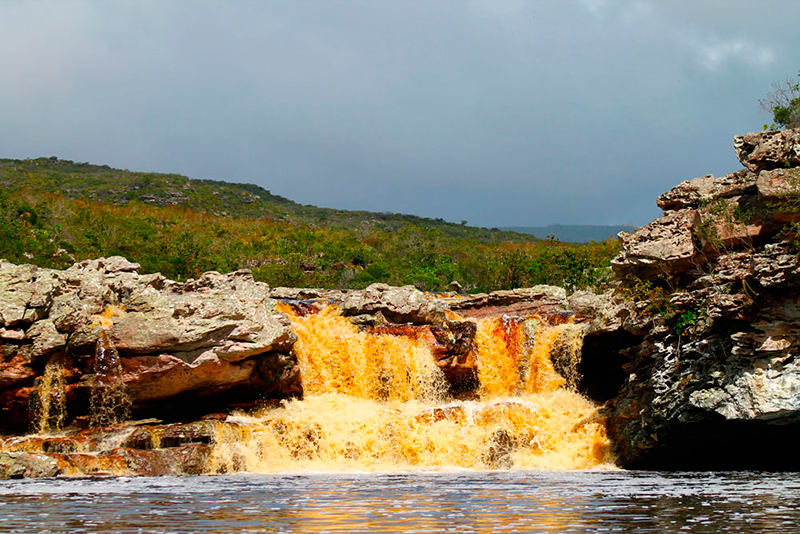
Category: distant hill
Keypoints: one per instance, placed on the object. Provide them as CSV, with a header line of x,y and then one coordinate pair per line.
x,y
101,183
572,233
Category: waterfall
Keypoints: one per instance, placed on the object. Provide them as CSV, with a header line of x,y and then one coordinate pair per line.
x,y
378,402
109,401
49,399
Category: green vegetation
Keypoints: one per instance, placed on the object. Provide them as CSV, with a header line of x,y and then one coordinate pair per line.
x,y
55,212
100,183
783,103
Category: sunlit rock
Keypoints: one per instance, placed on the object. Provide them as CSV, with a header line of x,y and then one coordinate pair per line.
x,y
768,150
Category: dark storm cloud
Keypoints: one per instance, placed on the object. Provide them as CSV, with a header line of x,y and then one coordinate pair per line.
x,y
497,112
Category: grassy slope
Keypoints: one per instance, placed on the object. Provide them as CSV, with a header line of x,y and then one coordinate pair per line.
x,y
54,212
103,184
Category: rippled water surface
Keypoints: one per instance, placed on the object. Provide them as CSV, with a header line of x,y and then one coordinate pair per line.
x,y
510,501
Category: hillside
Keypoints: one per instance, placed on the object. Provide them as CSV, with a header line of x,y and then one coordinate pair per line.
x,y
55,212
101,183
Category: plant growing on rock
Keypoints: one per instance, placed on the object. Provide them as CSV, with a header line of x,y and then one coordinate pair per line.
x,y
783,103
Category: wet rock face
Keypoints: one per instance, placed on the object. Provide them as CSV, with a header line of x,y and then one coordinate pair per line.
x,y
135,448
219,334
717,371
452,345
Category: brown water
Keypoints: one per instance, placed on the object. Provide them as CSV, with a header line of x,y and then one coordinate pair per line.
x,y
377,402
109,401
49,400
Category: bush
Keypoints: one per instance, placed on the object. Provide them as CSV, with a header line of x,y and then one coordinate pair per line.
x,y
783,103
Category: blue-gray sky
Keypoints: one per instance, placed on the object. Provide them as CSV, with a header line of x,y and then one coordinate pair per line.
x,y
499,112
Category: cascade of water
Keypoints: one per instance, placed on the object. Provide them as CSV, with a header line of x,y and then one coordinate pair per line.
x,y
514,355
49,399
335,357
565,352
376,402
109,401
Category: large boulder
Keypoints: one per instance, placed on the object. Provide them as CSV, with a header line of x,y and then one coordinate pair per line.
x,y
760,151
176,341
692,194
666,245
405,304
27,465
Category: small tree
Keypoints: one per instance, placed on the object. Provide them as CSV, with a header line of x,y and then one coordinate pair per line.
x,y
783,103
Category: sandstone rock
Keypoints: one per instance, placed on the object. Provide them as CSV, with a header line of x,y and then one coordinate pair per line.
x,y
666,245
398,304
714,382
295,293
23,464
604,312
175,461
227,317
691,194
136,448
219,333
26,293
776,266
768,150
724,225
779,192
15,369
10,467
538,300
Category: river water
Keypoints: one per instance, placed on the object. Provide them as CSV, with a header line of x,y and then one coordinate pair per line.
x,y
453,501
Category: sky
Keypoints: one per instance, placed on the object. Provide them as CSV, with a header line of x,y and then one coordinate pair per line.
x,y
497,112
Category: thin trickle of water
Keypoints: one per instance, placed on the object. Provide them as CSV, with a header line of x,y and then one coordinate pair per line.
x,y
109,401
376,402
50,403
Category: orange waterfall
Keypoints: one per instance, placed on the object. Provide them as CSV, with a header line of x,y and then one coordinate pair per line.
x,y
378,402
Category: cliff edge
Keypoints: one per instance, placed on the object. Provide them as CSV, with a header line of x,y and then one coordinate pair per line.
x,y
713,287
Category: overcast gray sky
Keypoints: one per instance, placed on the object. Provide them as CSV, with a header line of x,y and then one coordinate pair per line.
x,y
500,112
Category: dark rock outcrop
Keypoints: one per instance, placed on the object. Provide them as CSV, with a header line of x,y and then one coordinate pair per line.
x,y
715,381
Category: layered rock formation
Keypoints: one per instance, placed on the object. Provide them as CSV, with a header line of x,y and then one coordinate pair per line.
x,y
221,341
715,382
188,351
212,341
